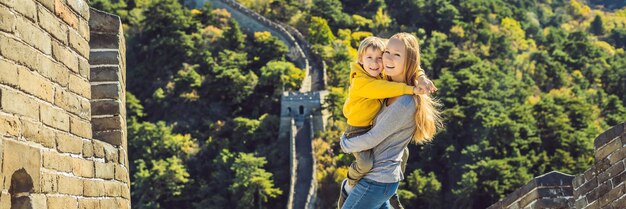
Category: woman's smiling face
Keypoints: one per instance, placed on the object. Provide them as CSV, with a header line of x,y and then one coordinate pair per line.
x,y
393,59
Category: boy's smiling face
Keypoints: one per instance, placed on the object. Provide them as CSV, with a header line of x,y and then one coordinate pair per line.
x,y
372,61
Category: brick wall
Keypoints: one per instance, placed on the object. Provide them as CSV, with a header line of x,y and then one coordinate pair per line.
x,y
53,154
600,186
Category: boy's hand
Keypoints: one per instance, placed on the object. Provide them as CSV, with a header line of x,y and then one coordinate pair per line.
x,y
424,85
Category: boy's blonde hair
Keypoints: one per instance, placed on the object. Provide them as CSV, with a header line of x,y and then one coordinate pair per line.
x,y
374,42
427,116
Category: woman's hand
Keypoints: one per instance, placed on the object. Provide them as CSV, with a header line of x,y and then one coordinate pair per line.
x,y
423,85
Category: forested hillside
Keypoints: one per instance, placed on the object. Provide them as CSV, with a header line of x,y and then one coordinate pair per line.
x,y
525,87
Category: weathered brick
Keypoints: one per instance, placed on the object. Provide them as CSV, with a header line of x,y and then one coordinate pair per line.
x,y
106,107
78,43
68,101
70,185
578,181
111,153
113,189
98,149
581,202
80,86
30,33
19,156
48,4
85,106
63,12
618,155
87,149
105,170
121,173
123,156
593,205
56,161
585,188
65,202
5,200
126,193
39,201
9,125
107,123
598,191
83,68
69,143
104,58
619,178
106,91
105,73
611,172
37,132
80,127
620,203
602,165
55,117
84,203
109,203
7,19
18,52
65,56
83,28
53,71
49,183
8,72
123,203
611,195
607,149
16,102
102,22
28,8
114,137
93,188
53,25
82,168
35,84
80,7
104,41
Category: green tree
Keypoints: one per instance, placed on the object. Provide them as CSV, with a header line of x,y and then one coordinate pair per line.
x,y
331,10
618,37
158,156
265,47
233,38
597,26
319,32
422,191
251,182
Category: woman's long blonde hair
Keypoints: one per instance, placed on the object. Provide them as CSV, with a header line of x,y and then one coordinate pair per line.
x,y
427,116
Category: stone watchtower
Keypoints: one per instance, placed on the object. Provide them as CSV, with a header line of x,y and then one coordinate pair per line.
x,y
62,108
299,105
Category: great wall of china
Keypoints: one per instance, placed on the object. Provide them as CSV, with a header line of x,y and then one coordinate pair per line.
x,y
301,112
63,117
62,107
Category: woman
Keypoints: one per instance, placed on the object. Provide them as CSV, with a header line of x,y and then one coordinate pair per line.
x,y
400,120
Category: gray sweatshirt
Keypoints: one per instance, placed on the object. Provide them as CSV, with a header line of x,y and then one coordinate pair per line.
x,y
392,131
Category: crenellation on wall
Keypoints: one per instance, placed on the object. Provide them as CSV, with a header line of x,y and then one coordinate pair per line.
x,y
600,186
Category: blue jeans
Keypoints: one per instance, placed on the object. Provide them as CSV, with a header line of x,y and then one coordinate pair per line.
x,y
368,194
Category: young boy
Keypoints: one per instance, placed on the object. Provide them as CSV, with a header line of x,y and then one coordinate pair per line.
x,y
365,94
